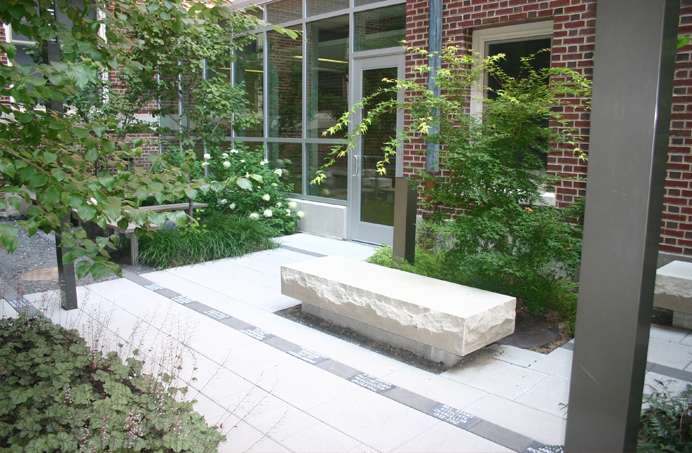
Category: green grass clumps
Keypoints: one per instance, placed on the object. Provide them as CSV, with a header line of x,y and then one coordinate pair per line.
x,y
214,237
58,395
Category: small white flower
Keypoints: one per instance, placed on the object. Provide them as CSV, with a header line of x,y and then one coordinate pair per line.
x,y
278,171
92,201
288,211
274,184
207,156
242,161
278,205
266,197
224,155
232,206
226,164
205,164
292,204
268,213
224,201
234,151
254,216
263,162
247,175
300,214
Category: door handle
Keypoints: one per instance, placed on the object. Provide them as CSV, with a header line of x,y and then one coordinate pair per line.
x,y
355,165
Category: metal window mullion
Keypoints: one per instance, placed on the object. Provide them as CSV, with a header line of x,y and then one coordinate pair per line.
x,y
305,104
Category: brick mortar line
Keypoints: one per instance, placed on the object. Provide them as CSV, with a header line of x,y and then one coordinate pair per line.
x,y
437,410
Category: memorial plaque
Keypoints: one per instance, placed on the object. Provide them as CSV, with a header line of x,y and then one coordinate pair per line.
x,y
182,300
307,355
19,303
215,314
256,333
153,287
451,415
540,448
371,383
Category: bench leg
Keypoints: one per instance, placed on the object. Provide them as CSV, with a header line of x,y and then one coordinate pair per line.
x,y
66,278
134,249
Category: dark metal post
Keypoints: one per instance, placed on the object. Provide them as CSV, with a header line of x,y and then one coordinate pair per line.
x,y
405,206
632,92
66,278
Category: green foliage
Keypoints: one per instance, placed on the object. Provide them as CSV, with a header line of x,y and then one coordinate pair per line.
x,y
211,237
251,188
666,425
72,162
483,210
60,396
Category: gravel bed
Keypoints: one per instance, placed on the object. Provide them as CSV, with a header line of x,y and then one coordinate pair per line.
x,y
38,252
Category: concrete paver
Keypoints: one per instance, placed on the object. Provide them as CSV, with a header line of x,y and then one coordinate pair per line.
x,y
268,399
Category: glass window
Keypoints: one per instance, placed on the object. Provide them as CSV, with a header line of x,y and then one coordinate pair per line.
x,y
249,71
327,74
316,7
366,2
336,184
289,158
380,28
285,78
284,11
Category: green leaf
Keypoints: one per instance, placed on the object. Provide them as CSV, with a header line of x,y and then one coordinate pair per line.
x,y
191,193
58,174
86,212
91,155
257,178
72,255
98,130
82,268
244,183
38,180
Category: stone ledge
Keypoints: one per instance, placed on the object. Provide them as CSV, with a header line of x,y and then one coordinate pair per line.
x,y
450,317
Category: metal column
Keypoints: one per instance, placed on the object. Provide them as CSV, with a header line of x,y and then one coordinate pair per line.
x,y
632,92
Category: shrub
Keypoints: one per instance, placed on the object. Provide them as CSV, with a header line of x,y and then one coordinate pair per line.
x,y
261,191
58,395
215,236
666,426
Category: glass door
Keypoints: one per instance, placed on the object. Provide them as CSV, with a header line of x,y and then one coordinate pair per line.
x,y
372,199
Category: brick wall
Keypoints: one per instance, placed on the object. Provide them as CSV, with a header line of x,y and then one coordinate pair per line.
x,y
574,24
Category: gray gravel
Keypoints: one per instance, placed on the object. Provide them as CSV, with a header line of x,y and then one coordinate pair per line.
x,y
38,252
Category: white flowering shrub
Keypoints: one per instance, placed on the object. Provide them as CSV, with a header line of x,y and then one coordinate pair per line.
x,y
259,193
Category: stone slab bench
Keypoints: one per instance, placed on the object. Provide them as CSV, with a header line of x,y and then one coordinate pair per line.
x,y
674,292
438,320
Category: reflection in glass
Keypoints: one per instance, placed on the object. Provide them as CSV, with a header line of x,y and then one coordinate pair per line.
x,y
327,74
284,11
285,79
366,2
316,7
380,28
336,183
249,71
377,191
289,158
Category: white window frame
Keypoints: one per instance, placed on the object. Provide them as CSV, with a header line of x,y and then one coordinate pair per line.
x,y
482,38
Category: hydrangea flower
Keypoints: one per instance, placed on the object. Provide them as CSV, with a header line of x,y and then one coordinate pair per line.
x,y
278,171
274,184
292,204
207,156
205,164
242,161
254,216
288,211
232,206
263,162
268,213
234,151
266,197
226,164
300,214
278,205
224,155
222,202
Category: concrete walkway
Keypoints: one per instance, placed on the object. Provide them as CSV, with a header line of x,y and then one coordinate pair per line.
x,y
275,385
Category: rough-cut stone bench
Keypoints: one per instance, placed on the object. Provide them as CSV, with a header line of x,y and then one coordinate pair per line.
x,y
438,320
674,292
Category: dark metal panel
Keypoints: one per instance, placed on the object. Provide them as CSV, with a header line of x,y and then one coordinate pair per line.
x,y
633,81
435,48
405,206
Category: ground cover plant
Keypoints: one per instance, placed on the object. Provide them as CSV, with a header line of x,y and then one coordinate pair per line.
x,y
59,395
666,423
484,223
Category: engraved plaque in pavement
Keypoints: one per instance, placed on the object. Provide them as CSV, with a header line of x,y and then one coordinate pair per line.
x,y
256,333
307,355
182,299
451,415
216,314
371,383
153,287
538,448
